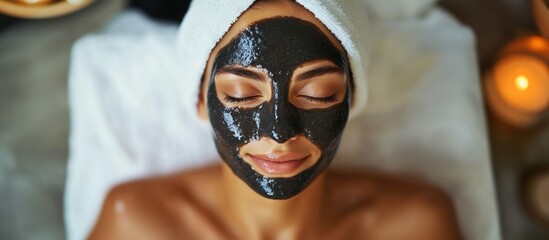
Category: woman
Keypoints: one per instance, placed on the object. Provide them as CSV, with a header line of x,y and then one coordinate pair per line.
x,y
277,89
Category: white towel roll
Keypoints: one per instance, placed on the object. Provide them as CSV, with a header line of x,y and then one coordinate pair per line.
x,y
208,20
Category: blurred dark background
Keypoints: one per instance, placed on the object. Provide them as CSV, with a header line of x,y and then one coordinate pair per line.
x,y
34,121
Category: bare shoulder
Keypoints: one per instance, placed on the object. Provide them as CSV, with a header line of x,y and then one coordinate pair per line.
x,y
149,208
397,207
417,205
132,209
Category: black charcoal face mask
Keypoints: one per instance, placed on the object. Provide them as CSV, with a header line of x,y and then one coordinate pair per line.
x,y
277,45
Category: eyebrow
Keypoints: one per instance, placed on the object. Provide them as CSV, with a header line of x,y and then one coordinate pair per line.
x,y
318,72
243,72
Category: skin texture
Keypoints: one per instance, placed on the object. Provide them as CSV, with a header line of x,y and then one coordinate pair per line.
x,y
351,205
214,203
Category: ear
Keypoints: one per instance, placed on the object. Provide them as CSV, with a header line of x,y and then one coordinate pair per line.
x,y
201,108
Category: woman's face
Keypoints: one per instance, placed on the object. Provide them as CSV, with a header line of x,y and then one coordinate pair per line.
x,y
277,96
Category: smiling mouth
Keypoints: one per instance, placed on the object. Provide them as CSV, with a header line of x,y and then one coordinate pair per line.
x,y
278,163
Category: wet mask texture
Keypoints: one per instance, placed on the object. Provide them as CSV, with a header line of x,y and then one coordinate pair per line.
x,y
278,45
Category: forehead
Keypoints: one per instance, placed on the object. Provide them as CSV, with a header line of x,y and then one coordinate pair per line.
x,y
279,44
279,9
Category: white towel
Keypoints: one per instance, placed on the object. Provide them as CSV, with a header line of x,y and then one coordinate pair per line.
x,y
425,116
127,120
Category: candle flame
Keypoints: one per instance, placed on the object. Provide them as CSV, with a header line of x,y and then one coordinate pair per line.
x,y
521,82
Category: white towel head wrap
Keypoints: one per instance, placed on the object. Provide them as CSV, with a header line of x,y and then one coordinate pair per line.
x,y
199,33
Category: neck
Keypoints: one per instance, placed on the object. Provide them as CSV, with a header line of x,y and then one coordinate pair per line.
x,y
262,218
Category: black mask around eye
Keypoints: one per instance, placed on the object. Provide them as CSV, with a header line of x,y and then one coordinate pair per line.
x,y
278,45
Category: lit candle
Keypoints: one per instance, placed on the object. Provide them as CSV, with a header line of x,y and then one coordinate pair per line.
x,y
523,82
518,87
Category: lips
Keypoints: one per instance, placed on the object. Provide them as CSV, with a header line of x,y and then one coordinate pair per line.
x,y
278,163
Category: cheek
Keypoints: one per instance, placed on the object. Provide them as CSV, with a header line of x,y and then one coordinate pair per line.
x,y
325,127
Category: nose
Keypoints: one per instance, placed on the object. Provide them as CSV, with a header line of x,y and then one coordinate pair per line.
x,y
284,123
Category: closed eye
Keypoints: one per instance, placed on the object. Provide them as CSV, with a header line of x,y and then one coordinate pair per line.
x,y
231,99
323,100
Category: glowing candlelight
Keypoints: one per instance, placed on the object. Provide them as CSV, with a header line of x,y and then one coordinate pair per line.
x,y
518,86
521,82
